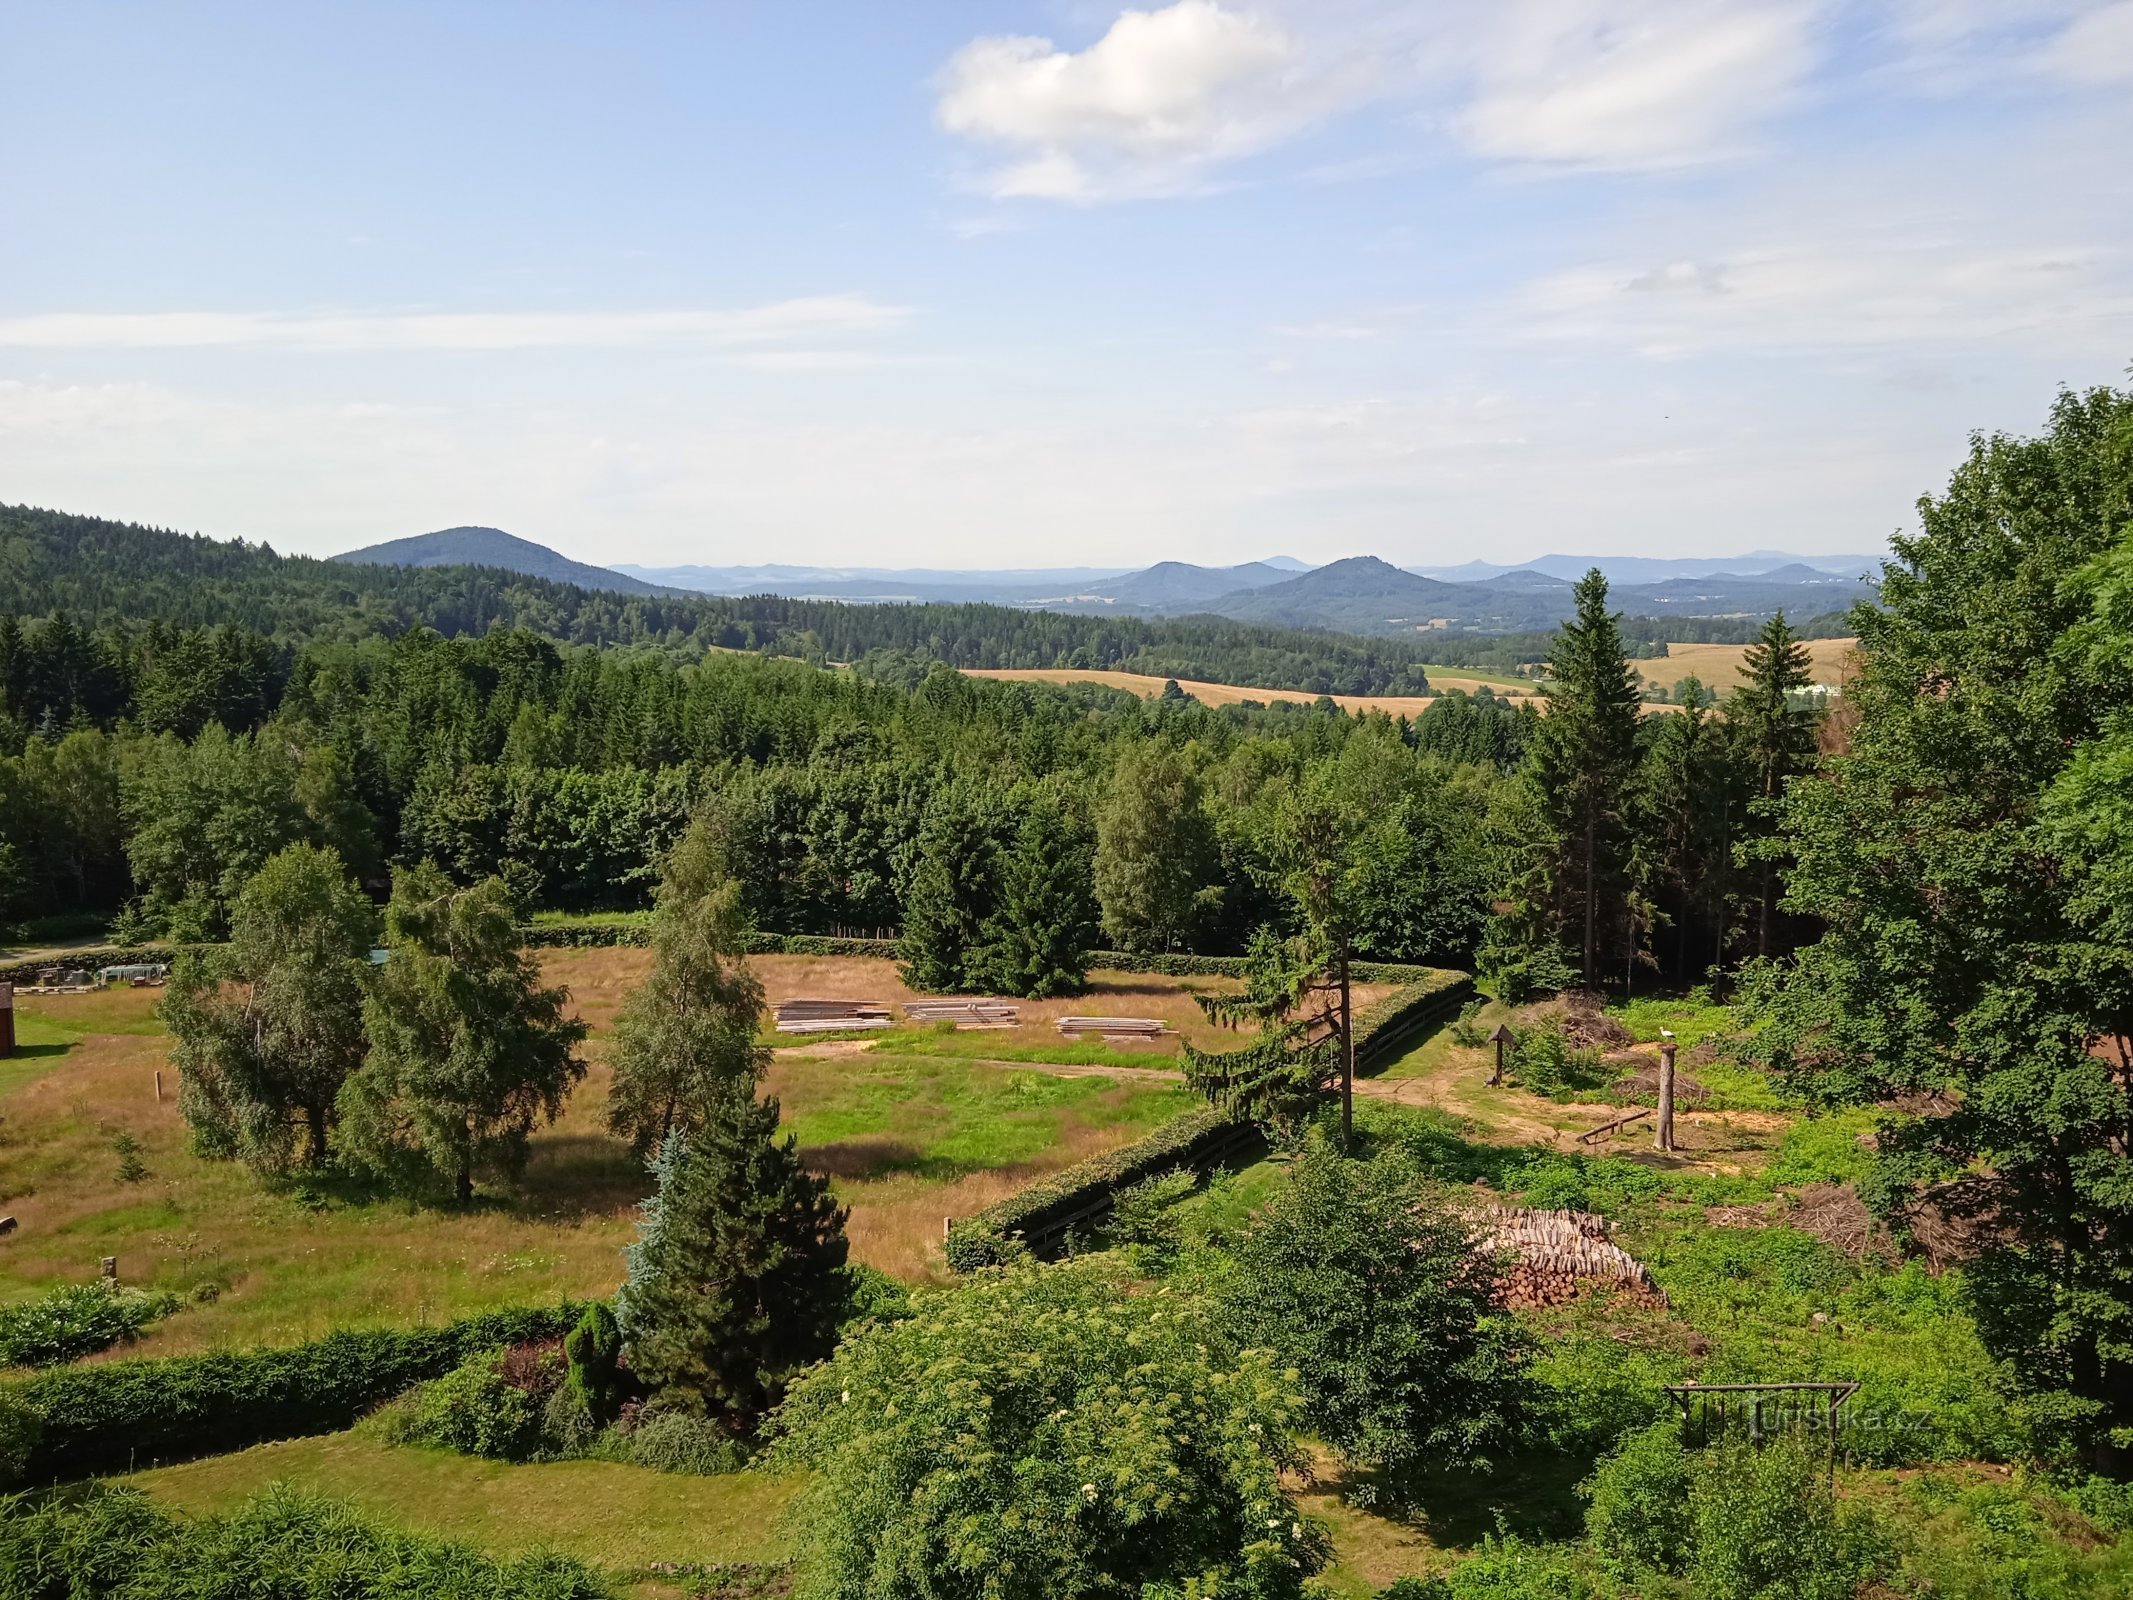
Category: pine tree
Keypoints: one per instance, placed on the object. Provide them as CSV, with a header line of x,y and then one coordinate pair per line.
x,y
736,1279
1581,758
467,1050
1679,813
687,1036
265,1035
1038,945
1774,743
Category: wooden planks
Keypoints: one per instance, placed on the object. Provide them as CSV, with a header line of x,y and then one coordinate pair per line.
x,y
964,1013
1114,1027
830,1016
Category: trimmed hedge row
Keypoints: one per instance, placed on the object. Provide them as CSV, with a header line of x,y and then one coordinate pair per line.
x,y
114,1415
1392,1021
1041,1214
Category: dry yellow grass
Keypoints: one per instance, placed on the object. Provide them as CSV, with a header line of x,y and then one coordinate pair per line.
x,y
283,1263
1719,665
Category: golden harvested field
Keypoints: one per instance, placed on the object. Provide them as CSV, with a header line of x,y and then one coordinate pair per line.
x,y
1719,665
1214,694
908,1132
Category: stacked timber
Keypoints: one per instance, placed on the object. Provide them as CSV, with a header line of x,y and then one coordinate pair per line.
x,y
830,1016
1114,1027
1557,1255
964,1013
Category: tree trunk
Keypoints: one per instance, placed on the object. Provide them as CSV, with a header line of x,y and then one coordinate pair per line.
x,y
1590,967
315,1121
1347,1061
1663,1119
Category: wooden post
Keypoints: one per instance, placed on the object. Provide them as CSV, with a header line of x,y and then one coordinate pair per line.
x,y
1500,1038
111,1269
1663,1124
159,1086
7,1020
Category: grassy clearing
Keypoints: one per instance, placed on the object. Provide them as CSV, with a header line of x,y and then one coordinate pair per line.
x,y
907,1140
616,1517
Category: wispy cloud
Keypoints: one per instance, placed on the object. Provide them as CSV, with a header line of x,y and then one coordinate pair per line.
x,y
781,322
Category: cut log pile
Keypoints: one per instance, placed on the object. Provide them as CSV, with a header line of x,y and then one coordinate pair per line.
x,y
1558,1255
830,1016
1114,1027
964,1013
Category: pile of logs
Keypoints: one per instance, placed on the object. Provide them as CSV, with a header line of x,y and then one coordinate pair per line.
x,y
1558,1255
830,1016
1114,1027
964,1013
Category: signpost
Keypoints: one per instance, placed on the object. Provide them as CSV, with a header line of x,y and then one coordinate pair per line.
x,y
1501,1037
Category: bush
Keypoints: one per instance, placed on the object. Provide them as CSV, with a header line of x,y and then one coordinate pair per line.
x,y
114,1544
471,1409
567,1430
1639,1501
594,1351
1038,1216
680,1441
1505,1568
1767,1527
117,1414
871,1295
1044,1432
77,1319
1544,1061
19,1428
1144,1219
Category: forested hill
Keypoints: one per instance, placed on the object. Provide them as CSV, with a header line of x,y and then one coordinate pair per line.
x,y
100,573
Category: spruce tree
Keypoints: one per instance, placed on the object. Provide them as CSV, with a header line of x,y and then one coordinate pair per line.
x,y
467,1050
953,895
1583,753
1774,743
737,1278
687,1035
1039,941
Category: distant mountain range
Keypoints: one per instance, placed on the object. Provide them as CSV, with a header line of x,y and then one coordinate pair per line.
x,y
1359,594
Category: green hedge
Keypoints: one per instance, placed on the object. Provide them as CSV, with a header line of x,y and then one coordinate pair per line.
x,y
1382,1028
1043,1213
115,1415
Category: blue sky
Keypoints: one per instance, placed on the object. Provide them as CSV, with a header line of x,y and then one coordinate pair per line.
x,y
941,284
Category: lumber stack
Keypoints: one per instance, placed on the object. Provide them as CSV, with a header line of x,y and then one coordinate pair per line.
x,y
964,1013
1114,1027
1558,1255
830,1016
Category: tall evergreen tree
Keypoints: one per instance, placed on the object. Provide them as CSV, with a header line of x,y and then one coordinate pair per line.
x,y
1774,742
1681,802
954,892
1039,940
265,1033
1580,758
737,1279
468,1052
687,1035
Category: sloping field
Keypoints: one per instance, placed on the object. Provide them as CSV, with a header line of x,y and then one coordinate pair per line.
x,y
1223,694
1719,665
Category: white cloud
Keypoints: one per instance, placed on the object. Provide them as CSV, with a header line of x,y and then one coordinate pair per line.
x,y
2096,48
783,321
1146,109
1601,83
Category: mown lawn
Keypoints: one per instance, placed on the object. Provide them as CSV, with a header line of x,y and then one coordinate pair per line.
x,y
615,1517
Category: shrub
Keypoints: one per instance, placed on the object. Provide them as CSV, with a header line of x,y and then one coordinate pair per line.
x,y
1639,1501
18,1439
567,1429
594,1351
1144,1219
76,1320
1043,1432
108,1417
114,1544
471,1409
871,1295
1544,1061
1504,1568
680,1441
1767,1527
1358,1276
1468,1034
1037,1216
